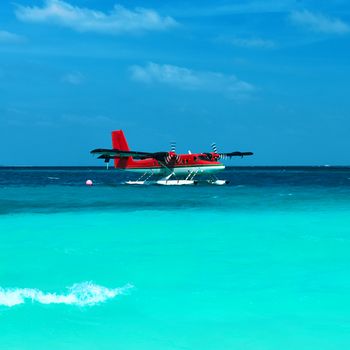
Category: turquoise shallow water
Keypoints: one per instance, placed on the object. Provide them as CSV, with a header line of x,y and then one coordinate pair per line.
x,y
261,264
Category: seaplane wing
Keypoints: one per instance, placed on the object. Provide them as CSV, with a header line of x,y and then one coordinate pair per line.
x,y
235,154
114,153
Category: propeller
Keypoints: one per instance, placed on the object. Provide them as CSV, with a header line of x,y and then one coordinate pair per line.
x,y
172,155
214,148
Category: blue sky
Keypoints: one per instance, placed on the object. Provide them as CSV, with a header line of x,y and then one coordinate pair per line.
x,y
267,76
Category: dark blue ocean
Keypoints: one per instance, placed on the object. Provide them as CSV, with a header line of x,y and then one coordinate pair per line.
x,y
260,264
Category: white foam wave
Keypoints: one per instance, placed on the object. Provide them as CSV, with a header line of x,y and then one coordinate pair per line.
x,y
81,294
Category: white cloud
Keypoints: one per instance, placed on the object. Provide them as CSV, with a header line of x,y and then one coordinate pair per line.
x,y
119,20
319,23
8,37
188,79
74,78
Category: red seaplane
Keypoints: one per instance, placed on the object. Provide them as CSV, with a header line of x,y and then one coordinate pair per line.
x,y
167,168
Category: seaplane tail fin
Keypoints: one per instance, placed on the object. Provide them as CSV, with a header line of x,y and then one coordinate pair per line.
x,y
119,142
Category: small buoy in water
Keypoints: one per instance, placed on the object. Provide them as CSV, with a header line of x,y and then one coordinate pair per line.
x,y
88,183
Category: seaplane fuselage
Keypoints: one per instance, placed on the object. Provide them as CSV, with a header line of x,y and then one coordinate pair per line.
x,y
180,164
